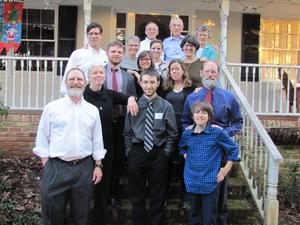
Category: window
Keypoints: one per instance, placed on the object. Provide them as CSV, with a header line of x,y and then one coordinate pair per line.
x,y
37,33
279,42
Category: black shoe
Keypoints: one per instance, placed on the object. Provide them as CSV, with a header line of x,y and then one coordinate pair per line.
x,y
115,203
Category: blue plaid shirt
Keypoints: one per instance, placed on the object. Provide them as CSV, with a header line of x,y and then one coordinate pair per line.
x,y
204,155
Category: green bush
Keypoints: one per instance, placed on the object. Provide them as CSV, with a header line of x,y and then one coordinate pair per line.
x,y
289,185
3,109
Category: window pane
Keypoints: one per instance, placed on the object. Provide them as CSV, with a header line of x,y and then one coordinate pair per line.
x,y
281,40
48,17
35,48
34,16
267,40
185,20
24,16
23,48
48,49
267,26
121,20
47,31
34,32
292,42
24,31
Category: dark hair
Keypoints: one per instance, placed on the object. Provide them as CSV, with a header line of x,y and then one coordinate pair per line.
x,y
114,43
191,39
150,72
94,25
203,106
143,54
169,82
75,69
157,42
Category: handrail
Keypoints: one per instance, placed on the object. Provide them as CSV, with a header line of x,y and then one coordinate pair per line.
x,y
33,58
258,125
260,157
260,65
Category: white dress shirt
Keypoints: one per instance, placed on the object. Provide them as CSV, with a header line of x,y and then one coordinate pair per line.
x,y
84,58
70,131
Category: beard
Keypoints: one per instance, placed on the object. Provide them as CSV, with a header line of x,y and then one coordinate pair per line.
x,y
74,92
209,83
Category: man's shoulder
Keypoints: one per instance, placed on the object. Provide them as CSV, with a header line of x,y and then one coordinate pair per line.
x,y
164,102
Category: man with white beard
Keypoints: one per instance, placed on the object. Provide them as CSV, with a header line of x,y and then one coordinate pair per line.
x,y
69,143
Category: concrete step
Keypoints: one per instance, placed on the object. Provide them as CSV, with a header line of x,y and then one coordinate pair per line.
x,y
240,212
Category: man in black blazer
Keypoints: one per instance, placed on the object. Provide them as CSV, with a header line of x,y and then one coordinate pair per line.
x,y
119,80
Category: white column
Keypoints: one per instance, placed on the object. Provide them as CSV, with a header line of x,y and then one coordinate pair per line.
x,y
87,9
224,13
272,204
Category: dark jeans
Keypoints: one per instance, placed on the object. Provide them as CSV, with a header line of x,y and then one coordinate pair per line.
x,y
61,180
152,165
203,209
118,156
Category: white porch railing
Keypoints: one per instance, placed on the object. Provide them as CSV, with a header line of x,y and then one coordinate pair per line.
x,y
260,157
30,82
268,91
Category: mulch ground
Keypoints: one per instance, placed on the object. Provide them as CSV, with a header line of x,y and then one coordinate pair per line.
x,y
20,175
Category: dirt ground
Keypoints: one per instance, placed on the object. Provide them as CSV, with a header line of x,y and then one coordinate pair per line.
x,y
20,174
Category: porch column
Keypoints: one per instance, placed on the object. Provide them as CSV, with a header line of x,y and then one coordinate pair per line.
x,y
87,9
272,205
224,13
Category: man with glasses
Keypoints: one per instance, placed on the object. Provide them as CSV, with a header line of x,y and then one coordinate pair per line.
x,y
84,58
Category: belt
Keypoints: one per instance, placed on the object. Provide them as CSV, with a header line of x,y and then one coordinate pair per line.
x,y
74,162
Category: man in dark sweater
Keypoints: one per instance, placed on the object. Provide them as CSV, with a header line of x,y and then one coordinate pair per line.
x,y
149,139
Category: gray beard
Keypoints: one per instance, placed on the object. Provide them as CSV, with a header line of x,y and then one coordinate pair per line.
x,y
74,92
209,84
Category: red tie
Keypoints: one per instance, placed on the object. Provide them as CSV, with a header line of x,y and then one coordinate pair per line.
x,y
208,97
114,80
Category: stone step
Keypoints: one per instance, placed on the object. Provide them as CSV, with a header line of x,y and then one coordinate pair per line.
x,y
240,212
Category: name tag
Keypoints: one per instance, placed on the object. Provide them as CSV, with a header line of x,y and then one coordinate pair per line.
x,y
158,116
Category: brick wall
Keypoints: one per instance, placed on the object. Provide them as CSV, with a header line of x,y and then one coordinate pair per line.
x,y
18,130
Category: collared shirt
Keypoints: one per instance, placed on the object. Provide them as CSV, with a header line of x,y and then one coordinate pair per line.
x,y
172,49
165,129
204,156
144,45
84,58
226,109
109,77
69,131
209,52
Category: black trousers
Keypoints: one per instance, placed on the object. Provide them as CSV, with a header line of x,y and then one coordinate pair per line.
x,y
118,161
222,203
151,166
101,191
61,180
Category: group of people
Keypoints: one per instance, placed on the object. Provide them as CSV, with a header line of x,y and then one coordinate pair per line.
x,y
146,104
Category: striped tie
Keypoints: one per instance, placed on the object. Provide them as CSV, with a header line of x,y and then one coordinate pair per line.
x,y
148,140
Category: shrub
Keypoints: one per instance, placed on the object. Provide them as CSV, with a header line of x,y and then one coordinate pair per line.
x,y
289,185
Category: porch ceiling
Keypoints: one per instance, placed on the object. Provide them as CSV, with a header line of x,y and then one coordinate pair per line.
x,y
189,6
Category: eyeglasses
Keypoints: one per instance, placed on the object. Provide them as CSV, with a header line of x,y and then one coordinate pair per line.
x,y
145,59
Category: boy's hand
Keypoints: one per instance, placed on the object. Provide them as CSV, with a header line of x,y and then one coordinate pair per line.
x,y
222,174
